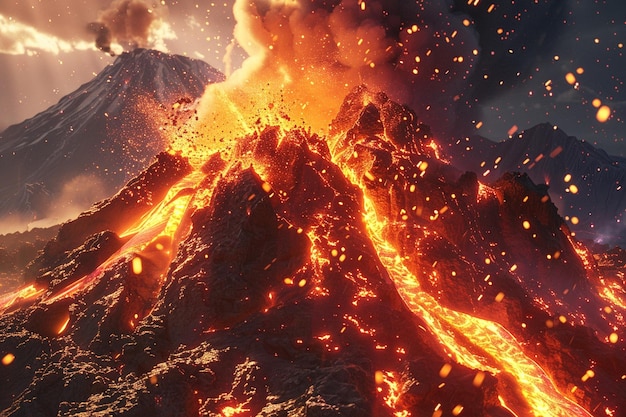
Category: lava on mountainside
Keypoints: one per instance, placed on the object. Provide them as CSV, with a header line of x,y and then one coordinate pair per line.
x,y
295,274
306,247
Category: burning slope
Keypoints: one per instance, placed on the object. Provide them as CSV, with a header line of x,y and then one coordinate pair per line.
x,y
302,275
261,269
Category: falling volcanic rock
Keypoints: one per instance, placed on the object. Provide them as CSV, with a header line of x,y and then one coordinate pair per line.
x,y
255,287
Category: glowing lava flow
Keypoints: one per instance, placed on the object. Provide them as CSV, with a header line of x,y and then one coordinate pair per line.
x,y
504,352
158,228
156,232
17,297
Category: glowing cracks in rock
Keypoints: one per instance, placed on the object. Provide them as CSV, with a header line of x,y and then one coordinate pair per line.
x,y
390,388
229,411
63,325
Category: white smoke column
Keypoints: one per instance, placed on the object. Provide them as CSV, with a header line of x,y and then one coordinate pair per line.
x,y
305,56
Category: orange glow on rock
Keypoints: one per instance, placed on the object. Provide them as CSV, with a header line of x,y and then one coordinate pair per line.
x,y
63,325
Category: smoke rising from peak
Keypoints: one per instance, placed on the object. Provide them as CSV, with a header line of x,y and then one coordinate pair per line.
x,y
131,22
312,53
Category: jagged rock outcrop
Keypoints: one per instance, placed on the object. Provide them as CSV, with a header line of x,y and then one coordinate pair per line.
x,y
585,182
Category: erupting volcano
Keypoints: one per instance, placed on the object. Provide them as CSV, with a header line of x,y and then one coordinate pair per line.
x,y
302,253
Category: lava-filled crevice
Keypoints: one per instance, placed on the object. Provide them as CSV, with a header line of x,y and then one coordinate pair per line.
x,y
115,214
434,224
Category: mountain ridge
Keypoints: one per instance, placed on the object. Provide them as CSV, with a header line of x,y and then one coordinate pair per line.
x,y
354,274
586,183
87,145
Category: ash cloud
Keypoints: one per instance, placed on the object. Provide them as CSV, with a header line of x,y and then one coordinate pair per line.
x,y
433,55
131,22
420,53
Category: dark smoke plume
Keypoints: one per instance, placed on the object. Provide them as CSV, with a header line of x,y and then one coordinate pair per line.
x,y
440,57
103,36
129,22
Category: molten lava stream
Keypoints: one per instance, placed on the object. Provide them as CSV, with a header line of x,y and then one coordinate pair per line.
x,y
453,327
179,194
612,293
157,230
26,293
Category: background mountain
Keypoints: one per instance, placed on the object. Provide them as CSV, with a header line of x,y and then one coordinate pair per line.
x,y
585,183
85,147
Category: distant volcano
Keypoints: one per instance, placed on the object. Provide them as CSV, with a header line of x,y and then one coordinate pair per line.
x,y
356,274
93,140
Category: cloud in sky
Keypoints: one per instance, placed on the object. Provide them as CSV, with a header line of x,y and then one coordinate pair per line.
x,y
132,22
17,38
63,26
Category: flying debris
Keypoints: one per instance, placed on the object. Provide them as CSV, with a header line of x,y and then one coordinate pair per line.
x,y
585,183
307,244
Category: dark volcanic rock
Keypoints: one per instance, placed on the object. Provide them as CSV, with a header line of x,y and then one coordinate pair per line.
x,y
255,314
500,252
114,214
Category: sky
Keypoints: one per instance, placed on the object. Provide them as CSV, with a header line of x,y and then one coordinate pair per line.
x,y
526,62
